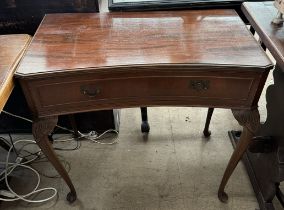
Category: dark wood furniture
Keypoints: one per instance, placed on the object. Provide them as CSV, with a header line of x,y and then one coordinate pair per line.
x,y
264,160
202,58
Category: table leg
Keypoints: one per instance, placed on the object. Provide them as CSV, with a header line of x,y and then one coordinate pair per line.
x,y
41,128
206,131
74,125
145,127
250,120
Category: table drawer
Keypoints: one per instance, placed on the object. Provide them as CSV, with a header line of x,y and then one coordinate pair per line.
x,y
152,89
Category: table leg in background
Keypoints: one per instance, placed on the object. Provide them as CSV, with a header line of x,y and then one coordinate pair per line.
x,y
250,120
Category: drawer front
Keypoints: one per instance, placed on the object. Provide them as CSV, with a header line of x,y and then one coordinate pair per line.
x,y
152,90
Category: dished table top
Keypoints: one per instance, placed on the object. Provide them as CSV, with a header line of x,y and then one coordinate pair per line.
x,y
68,42
12,48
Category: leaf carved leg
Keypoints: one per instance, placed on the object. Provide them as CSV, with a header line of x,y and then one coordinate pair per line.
x,y
41,128
250,120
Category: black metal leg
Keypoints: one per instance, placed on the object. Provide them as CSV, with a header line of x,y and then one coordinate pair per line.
x,y
145,127
206,131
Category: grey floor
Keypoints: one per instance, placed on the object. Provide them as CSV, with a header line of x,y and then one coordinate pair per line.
x,y
173,168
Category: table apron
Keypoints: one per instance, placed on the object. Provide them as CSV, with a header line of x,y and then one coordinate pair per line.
x,y
53,96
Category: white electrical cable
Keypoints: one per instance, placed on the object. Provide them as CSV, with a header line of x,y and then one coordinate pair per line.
x,y
92,136
26,119
9,169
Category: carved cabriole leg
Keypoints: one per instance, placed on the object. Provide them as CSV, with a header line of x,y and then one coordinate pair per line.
x,y
250,120
41,128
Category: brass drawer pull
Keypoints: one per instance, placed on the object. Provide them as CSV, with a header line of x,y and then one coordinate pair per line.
x,y
199,84
90,91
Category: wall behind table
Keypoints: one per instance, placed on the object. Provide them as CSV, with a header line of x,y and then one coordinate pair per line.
x,y
24,16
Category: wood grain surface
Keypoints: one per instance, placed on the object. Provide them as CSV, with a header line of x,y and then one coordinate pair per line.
x,y
78,42
73,93
12,48
260,15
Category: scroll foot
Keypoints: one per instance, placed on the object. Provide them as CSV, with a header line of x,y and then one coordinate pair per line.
x,y
71,197
223,197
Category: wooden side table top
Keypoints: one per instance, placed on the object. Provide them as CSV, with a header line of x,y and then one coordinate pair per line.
x,y
77,42
260,15
12,48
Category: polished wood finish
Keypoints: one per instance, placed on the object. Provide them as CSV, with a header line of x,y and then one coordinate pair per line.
x,y
84,62
144,86
12,48
260,16
266,170
68,42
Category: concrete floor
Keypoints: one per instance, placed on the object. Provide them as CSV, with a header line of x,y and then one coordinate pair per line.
x,y
173,168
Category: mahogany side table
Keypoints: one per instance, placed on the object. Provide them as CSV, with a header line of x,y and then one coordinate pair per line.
x,y
83,62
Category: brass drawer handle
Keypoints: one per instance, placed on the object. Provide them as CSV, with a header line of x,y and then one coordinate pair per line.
x,y
199,84
90,91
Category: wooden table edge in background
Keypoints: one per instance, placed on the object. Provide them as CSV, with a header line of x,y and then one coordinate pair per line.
x,y
8,84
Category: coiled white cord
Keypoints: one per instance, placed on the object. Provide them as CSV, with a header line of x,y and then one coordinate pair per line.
x,y
9,169
28,120
92,136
